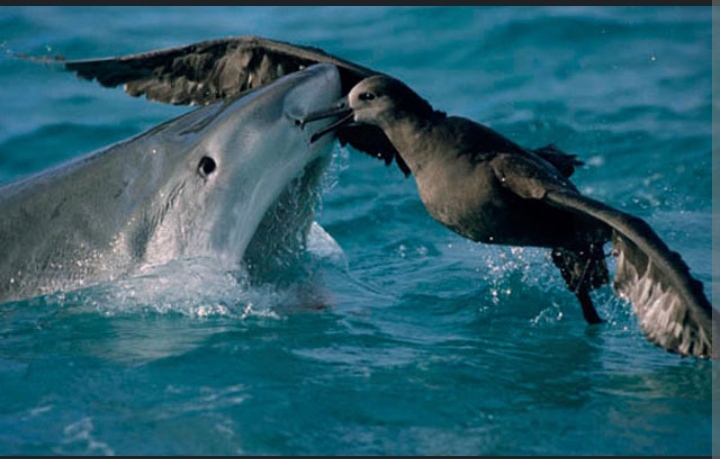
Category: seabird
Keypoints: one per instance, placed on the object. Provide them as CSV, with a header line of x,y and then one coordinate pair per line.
x,y
470,178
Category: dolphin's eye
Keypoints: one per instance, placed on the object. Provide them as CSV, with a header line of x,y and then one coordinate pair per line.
x,y
366,96
206,166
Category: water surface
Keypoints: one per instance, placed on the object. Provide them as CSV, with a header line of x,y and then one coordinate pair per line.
x,y
407,339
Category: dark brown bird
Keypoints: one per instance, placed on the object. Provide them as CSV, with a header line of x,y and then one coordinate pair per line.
x,y
470,178
488,189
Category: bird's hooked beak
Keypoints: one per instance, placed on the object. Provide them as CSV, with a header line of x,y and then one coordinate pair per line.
x,y
339,109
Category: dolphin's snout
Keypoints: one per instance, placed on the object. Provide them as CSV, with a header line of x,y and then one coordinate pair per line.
x,y
320,88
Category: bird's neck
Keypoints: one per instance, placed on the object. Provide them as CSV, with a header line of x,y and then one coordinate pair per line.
x,y
414,137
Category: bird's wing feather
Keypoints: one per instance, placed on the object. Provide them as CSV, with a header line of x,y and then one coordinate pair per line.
x,y
208,71
528,175
671,306
205,72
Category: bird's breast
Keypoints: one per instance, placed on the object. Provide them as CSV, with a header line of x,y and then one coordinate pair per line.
x,y
475,204
465,200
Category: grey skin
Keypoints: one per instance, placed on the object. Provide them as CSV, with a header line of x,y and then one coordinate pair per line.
x,y
488,189
199,185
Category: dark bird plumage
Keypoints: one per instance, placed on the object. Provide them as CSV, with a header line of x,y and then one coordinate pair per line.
x,y
472,179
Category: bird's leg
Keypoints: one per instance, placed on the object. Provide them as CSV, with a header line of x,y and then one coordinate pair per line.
x,y
588,309
583,295
582,271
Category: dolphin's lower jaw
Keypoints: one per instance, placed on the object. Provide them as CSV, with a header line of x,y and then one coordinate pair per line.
x,y
152,199
281,236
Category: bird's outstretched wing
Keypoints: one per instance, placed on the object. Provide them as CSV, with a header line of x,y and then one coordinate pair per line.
x,y
670,304
207,71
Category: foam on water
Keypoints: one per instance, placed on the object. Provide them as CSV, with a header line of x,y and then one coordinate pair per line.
x,y
198,287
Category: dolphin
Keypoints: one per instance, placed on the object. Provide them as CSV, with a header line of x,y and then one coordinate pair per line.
x,y
204,184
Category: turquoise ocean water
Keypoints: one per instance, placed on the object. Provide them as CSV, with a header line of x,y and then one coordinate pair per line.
x,y
408,339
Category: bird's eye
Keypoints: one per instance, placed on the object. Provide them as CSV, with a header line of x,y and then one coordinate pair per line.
x,y
206,166
366,96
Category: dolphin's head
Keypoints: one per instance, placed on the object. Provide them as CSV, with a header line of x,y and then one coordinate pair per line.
x,y
241,165
228,181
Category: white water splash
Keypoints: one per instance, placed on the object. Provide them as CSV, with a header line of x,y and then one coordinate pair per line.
x,y
199,288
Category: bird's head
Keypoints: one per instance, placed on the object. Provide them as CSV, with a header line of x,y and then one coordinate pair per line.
x,y
376,100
